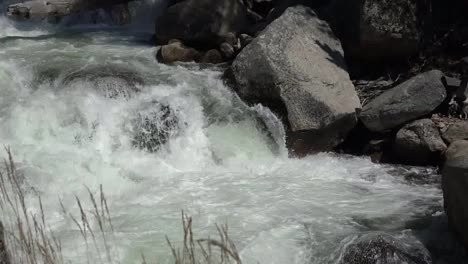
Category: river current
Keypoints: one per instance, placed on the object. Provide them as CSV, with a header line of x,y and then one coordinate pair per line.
x,y
69,95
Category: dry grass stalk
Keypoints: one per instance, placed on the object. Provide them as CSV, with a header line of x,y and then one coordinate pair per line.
x,y
28,240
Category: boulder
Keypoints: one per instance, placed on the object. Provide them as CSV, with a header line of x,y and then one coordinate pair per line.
x,y
377,29
455,131
419,143
381,248
177,51
454,186
212,56
413,99
296,67
202,23
152,125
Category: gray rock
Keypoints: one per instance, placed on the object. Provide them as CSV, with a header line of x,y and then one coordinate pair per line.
x,y
419,143
176,51
296,67
227,50
245,39
381,248
204,23
454,186
377,29
152,125
455,131
212,56
415,98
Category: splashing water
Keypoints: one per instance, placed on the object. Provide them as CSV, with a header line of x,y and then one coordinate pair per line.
x,y
68,104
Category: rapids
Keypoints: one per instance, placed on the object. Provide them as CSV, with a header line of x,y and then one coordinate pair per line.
x,y
223,162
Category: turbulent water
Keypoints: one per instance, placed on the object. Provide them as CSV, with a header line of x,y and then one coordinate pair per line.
x,y
69,98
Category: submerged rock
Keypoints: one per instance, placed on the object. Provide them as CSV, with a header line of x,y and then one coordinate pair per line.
x,y
296,67
454,186
415,98
419,143
202,23
109,81
380,248
152,126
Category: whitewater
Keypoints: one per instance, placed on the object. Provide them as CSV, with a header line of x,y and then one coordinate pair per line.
x,y
223,161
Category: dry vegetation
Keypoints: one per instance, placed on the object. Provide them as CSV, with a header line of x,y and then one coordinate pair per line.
x,y
28,239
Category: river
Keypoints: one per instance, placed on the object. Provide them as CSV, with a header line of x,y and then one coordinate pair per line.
x,y
223,161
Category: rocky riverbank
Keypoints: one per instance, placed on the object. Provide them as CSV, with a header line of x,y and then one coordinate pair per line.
x,y
386,79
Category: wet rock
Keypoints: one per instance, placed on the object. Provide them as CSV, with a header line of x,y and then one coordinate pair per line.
x,y
176,51
110,81
455,131
380,248
202,23
212,56
454,186
419,143
245,39
296,67
377,29
227,50
415,98
152,126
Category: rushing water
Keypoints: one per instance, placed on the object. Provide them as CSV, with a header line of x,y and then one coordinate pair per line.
x,y
222,162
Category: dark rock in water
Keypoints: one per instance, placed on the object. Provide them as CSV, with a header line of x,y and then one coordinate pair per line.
x,y
296,67
419,143
455,186
377,29
380,248
110,81
152,126
176,51
202,23
212,56
4,258
415,98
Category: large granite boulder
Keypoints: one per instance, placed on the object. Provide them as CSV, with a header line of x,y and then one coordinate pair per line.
x,y
419,143
454,186
377,29
415,98
204,23
296,67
